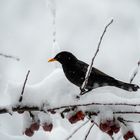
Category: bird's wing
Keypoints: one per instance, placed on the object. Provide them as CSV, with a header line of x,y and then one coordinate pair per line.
x,y
98,72
83,67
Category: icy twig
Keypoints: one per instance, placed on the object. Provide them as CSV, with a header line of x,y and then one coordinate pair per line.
x,y
82,88
135,73
23,88
76,130
9,56
88,132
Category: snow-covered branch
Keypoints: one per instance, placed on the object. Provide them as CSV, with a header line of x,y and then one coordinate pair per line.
x,y
83,91
18,108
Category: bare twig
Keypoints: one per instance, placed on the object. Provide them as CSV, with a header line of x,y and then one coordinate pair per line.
x,y
120,119
135,73
9,56
76,130
135,138
111,137
89,131
31,115
128,121
90,67
23,88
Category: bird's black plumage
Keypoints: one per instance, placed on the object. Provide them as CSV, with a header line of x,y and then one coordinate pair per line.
x,y
75,71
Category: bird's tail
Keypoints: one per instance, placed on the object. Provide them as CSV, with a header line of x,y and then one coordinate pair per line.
x,y
126,86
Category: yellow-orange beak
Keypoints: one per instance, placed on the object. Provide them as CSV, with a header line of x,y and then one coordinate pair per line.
x,y
52,60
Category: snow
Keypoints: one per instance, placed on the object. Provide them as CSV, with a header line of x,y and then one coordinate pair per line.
x,y
27,32
64,93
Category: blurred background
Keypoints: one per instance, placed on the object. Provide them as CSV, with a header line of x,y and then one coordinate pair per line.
x,y
27,28
26,31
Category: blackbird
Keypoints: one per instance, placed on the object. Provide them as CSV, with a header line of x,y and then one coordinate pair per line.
x,y
75,71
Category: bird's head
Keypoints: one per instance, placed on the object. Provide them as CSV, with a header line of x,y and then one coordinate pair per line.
x,y
64,58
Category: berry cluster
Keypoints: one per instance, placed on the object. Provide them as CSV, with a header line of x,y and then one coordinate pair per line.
x,y
78,116
110,126
113,126
35,127
128,135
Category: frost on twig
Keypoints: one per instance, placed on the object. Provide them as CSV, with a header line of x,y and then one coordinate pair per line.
x,y
82,88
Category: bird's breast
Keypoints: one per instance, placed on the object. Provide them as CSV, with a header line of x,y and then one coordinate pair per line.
x,y
75,76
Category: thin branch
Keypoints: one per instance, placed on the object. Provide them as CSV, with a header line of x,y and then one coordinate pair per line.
x,y
90,67
89,131
95,104
10,56
135,73
128,121
76,130
32,115
23,88
38,108
135,138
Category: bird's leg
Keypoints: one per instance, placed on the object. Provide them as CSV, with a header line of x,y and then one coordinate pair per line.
x,y
84,91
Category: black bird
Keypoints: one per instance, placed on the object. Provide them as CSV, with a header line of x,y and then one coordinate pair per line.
x,y
75,71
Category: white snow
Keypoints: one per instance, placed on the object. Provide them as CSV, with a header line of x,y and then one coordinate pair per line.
x,y
27,29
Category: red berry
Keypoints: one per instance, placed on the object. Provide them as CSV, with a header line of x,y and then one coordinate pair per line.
x,y
115,128
105,127
80,115
110,132
129,134
28,132
77,117
110,122
47,127
20,111
73,119
53,112
35,126
125,137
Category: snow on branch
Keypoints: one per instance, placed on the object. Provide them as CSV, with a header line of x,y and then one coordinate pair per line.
x,y
38,99
83,91
42,100
23,108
